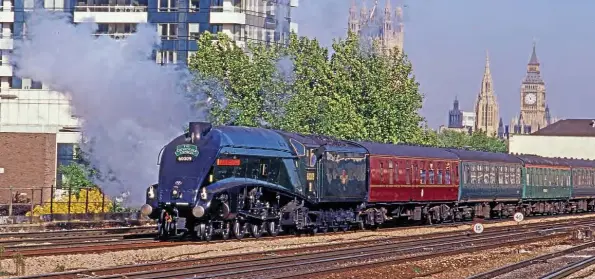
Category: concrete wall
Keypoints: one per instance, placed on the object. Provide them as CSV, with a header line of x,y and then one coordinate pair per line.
x,y
553,146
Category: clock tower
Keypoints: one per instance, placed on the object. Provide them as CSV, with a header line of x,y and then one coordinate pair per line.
x,y
533,104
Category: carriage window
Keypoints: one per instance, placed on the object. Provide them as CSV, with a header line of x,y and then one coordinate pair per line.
x,y
492,178
264,170
431,174
447,177
391,174
396,171
422,176
439,180
473,177
407,176
381,173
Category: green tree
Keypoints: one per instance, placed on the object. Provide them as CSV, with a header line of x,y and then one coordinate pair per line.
x,y
78,174
356,94
478,140
381,89
243,80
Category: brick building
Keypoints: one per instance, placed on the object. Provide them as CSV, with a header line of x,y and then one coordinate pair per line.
x,y
28,160
37,134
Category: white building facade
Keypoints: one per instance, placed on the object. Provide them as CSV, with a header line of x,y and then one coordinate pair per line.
x,y
568,138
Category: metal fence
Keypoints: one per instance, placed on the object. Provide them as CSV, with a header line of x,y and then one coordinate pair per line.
x,y
46,204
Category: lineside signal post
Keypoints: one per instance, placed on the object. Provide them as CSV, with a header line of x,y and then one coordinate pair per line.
x,y
519,217
478,228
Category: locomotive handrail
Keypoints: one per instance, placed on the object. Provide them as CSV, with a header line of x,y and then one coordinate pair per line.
x,y
259,148
159,155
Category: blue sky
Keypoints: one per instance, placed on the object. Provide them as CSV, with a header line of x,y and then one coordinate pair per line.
x,y
446,41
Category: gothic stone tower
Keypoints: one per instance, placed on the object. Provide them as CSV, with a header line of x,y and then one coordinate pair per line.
x,y
486,105
534,110
387,28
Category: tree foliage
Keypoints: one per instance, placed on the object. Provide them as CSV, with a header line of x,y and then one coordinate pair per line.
x,y
353,94
478,140
79,173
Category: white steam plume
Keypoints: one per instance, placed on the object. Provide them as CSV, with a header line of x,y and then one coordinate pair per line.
x,y
130,106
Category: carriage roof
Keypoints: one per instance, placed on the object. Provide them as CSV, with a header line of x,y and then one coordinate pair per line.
x,y
473,155
407,150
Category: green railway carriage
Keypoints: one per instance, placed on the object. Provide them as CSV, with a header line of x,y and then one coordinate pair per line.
x,y
583,179
488,176
546,178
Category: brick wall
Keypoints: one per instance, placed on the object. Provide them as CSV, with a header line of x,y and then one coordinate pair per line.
x,y
29,161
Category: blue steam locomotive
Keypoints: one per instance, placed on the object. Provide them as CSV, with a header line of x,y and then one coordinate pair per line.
x,y
234,181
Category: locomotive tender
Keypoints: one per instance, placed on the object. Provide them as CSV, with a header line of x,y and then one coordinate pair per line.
x,y
232,181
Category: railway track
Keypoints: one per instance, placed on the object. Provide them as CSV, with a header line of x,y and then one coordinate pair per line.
x,y
571,269
119,242
555,265
79,232
315,260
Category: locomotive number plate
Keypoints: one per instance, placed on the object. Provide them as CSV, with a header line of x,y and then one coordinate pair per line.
x,y
310,176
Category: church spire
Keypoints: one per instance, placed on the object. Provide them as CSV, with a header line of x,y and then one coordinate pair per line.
x,y
486,82
353,23
534,60
486,106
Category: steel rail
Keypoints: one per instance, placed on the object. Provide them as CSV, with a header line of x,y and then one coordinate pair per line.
x,y
77,232
570,269
512,267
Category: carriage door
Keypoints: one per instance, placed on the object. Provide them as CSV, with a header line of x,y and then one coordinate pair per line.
x,y
311,171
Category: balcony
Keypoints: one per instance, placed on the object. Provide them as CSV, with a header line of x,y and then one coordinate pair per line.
x,y
111,14
6,13
227,15
116,36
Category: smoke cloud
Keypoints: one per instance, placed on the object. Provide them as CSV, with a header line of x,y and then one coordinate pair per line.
x,y
130,106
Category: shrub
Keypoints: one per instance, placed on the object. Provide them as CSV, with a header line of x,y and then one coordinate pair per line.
x,y
78,204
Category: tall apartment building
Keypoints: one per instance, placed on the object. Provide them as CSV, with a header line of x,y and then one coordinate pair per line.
x,y
31,114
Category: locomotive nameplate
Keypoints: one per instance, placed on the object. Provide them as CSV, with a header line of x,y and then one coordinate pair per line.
x,y
186,152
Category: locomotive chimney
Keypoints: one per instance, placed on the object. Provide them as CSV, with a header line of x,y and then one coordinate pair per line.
x,y
198,130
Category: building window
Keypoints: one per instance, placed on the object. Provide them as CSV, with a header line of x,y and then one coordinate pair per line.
x,y
65,156
168,5
166,57
168,31
216,28
194,5
193,31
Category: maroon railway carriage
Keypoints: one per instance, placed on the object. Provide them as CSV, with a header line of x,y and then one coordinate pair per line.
x,y
403,173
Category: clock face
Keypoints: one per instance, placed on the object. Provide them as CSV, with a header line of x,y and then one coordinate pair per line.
x,y
530,99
